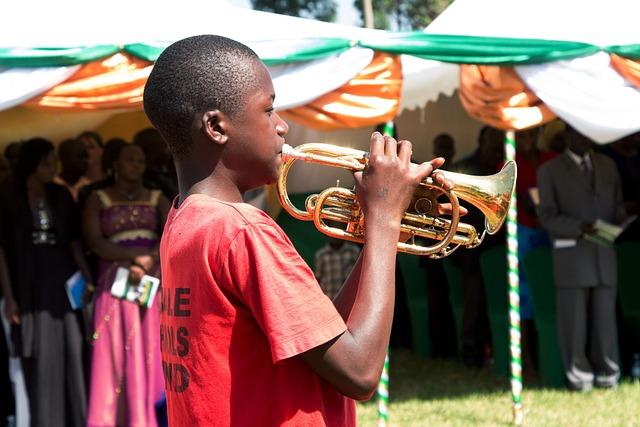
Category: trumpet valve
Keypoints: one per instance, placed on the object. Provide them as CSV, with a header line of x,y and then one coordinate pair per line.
x,y
424,202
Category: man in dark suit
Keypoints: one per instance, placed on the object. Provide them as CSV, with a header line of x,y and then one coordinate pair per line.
x,y
576,189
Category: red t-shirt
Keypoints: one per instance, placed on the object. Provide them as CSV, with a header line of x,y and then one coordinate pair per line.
x,y
237,304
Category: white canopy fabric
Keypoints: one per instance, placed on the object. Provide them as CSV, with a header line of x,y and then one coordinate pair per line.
x,y
588,94
17,85
585,92
425,80
68,23
291,81
595,22
299,84
602,106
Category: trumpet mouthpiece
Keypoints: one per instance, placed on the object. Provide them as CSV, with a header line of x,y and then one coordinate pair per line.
x,y
288,152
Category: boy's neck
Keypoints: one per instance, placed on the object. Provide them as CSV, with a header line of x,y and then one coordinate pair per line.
x,y
216,183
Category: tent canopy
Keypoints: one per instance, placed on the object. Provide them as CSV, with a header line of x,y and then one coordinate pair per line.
x,y
561,57
585,91
42,55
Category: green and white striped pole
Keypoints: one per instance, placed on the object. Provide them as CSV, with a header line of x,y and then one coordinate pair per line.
x,y
383,385
514,293
383,394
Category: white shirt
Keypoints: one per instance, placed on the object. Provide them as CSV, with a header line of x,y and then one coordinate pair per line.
x,y
580,159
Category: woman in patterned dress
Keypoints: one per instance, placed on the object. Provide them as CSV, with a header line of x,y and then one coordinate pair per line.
x,y
122,225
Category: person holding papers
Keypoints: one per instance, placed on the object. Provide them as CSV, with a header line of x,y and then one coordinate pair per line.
x,y
578,189
122,226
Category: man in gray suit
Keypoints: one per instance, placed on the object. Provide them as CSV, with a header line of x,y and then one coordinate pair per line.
x,y
576,189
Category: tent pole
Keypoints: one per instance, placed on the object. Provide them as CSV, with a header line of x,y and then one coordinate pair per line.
x,y
383,394
514,292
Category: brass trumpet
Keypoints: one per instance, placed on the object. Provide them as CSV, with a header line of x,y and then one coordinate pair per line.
x,y
491,194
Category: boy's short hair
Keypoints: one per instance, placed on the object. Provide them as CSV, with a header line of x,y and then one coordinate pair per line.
x,y
194,75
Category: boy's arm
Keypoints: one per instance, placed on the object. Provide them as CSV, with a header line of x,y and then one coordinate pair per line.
x,y
353,361
344,299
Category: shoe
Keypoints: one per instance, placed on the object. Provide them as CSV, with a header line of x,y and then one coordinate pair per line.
x,y
610,382
580,388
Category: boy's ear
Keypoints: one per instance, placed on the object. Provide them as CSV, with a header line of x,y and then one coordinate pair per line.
x,y
215,125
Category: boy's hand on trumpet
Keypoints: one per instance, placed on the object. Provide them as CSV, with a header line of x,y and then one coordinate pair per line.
x,y
443,209
385,188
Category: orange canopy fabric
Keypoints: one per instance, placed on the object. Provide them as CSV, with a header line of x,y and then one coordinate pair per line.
x,y
116,82
371,97
628,68
497,96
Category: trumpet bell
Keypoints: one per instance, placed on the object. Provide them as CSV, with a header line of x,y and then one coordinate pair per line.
x,y
491,194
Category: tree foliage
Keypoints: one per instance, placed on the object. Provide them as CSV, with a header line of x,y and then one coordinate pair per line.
x,y
323,10
403,15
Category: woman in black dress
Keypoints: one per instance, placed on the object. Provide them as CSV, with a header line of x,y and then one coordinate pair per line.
x,y
39,231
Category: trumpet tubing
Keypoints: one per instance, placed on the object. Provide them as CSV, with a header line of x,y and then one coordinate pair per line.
x,y
490,194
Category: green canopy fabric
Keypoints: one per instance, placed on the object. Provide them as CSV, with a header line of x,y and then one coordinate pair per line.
x,y
320,48
481,50
457,49
631,51
53,57
312,49
146,51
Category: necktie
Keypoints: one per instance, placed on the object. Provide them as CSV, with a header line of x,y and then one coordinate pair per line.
x,y
587,171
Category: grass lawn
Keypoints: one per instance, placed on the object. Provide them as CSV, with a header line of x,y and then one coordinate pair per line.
x,y
430,392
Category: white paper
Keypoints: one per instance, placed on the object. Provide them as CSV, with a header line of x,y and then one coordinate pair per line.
x,y
142,294
564,243
606,233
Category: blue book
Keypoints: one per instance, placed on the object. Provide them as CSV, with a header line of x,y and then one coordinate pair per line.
x,y
75,287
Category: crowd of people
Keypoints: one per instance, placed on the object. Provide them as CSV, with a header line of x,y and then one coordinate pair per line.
x,y
559,200
94,208
563,190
